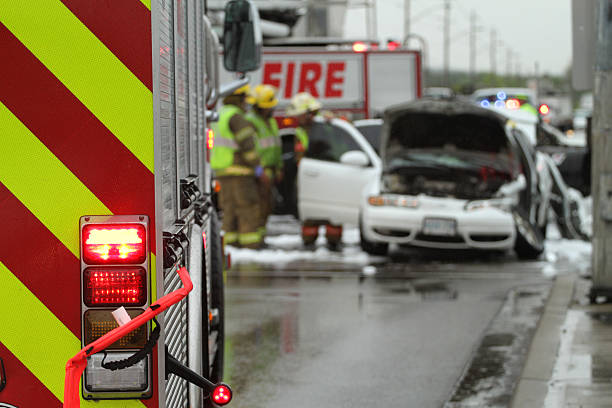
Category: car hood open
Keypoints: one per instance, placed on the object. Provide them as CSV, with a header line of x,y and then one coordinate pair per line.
x,y
446,148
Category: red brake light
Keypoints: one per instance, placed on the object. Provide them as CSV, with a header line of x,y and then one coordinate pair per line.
x,y
393,45
544,109
222,395
210,139
114,244
359,46
114,287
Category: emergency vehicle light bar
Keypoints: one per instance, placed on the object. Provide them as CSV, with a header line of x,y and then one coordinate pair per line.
x,y
77,364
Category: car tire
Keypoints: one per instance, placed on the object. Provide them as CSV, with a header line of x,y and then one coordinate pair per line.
x,y
529,242
217,302
372,248
544,229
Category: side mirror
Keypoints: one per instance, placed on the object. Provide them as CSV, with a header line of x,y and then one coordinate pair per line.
x,y
355,158
211,64
242,40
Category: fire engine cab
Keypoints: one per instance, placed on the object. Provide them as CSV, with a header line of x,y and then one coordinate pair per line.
x,y
106,200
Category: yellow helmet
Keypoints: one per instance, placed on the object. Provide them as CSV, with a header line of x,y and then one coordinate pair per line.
x,y
263,96
301,103
243,90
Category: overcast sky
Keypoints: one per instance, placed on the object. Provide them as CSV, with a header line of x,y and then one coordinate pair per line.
x,y
535,31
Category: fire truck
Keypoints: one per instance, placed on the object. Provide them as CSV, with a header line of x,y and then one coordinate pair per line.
x,y
355,79
105,193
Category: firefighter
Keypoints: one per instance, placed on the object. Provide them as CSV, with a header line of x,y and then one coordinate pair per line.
x,y
263,99
304,107
237,167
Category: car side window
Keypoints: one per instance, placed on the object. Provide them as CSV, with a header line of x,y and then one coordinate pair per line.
x,y
328,142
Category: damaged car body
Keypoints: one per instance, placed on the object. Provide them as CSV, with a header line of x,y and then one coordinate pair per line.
x,y
455,176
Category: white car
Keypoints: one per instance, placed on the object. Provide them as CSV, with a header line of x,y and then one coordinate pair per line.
x,y
334,171
454,176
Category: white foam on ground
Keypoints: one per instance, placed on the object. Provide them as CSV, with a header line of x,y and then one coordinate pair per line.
x,y
560,251
286,248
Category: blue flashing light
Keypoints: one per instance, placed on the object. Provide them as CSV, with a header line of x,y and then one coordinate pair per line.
x,y
485,104
502,95
500,104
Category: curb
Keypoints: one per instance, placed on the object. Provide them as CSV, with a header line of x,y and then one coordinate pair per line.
x,y
533,382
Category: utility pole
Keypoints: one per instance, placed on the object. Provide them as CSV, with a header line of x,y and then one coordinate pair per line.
x,y
406,17
537,79
601,182
447,8
374,7
493,52
472,47
508,62
368,19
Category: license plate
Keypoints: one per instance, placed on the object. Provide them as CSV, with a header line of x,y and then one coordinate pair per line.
x,y
439,226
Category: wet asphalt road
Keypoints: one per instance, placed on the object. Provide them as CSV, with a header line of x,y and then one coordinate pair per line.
x,y
308,335
329,331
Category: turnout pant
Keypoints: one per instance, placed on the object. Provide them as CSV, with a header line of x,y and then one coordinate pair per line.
x,y
310,233
266,204
239,200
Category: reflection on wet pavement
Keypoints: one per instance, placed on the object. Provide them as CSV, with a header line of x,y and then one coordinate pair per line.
x,y
280,319
489,380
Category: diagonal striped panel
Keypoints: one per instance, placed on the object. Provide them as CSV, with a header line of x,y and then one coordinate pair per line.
x,y
45,353
73,134
89,69
54,195
124,27
23,389
40,261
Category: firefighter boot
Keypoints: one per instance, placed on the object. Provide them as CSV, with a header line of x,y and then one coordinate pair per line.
x,y
333,234
310,233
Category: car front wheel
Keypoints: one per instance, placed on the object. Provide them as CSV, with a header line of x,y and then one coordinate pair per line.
x,y
372,248
529,239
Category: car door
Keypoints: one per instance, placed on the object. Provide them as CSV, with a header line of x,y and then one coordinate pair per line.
x,y
329,189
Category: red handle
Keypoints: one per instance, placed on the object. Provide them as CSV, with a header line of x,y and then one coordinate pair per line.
x,y
76,365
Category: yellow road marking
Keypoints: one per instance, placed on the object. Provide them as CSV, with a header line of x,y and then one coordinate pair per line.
x,y
87,68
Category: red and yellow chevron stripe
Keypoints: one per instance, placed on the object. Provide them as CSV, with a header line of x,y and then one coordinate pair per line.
x,y
76,138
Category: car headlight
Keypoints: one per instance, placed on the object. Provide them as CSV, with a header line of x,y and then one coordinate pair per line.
x,y
393,201
505,204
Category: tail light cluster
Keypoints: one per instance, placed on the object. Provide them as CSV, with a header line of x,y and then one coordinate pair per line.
x,y
210,142
114,273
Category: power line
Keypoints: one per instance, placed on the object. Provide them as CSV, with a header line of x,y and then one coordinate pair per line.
x,y
447,11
